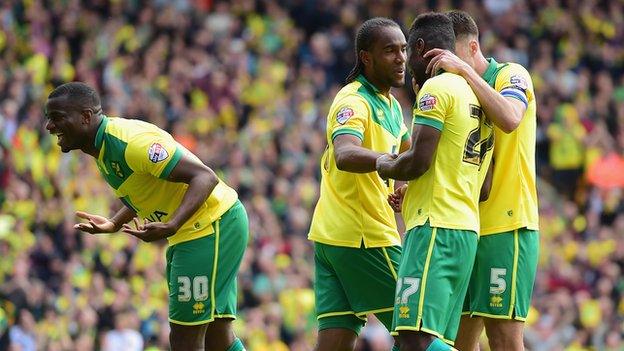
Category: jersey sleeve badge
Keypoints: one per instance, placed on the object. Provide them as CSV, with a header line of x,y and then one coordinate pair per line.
x,y
157,153
519,82
427,102
344,114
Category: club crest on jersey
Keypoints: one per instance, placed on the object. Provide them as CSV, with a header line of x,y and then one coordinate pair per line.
x,y
344,114
427,102
157,153
519,82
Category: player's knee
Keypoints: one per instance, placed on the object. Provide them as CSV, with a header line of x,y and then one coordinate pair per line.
x,y
336,339
184,338
505,335
414,341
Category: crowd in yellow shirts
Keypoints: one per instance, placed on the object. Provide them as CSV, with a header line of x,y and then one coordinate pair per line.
x,y
246,86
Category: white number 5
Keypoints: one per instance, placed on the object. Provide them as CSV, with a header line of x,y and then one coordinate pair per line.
x,y
497,281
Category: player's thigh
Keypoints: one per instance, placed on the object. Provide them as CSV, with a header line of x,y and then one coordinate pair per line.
x,y
367,275
190,276
232,235
504,273
333,308
433,278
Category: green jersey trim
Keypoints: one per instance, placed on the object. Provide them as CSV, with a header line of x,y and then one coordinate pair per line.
x,y
427,121
349,131
388,117
492,71
177,155
99,136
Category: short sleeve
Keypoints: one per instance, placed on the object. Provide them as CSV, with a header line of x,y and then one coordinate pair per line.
x,y
153,153
350,116
432,104
515,82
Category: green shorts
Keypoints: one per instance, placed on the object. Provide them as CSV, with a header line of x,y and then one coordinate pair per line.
x,y
504,272
433,279
353,282
201,273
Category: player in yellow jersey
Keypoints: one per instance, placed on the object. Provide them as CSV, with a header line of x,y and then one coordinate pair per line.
x,y
441,203
356,243
179,198
500,290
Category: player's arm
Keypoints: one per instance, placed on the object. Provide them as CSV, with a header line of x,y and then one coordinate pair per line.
x,y
505,112
414,162
487,183
350,156
347,125
201,180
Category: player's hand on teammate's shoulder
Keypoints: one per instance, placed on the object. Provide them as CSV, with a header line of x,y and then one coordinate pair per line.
x,y
95,224
150,231
395,200
446,60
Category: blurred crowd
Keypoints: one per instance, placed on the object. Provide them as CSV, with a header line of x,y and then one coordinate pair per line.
x,y
246,85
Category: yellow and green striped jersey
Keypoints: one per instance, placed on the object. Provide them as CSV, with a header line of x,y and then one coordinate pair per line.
x,y
512,203
136,158
447,194
352,209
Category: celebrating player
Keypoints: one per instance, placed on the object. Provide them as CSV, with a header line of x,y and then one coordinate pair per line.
x,y
180,199
441,203
501,285
357,247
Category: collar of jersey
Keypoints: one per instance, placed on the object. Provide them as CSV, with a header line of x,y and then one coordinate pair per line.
x,y
367,84
99,137
490,70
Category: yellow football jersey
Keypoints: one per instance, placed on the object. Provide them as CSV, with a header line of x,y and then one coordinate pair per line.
x,y
447,194
136,158
353,208
513,198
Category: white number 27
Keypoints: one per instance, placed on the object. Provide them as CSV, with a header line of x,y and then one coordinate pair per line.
x,y
411,284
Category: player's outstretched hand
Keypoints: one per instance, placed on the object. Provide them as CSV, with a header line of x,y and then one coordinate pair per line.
x,y
149,231
396,199
95,224
444,59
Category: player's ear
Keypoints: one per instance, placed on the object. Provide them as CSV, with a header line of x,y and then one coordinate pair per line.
x,y
365,57
86,116
420,46
474,47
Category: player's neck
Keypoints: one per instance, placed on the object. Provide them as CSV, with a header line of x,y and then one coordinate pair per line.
x,y
89,148
481,64
381,88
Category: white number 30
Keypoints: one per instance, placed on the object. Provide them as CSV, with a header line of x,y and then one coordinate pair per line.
x,y
200,288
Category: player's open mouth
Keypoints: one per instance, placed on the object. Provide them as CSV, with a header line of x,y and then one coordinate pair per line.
x,y
59,136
